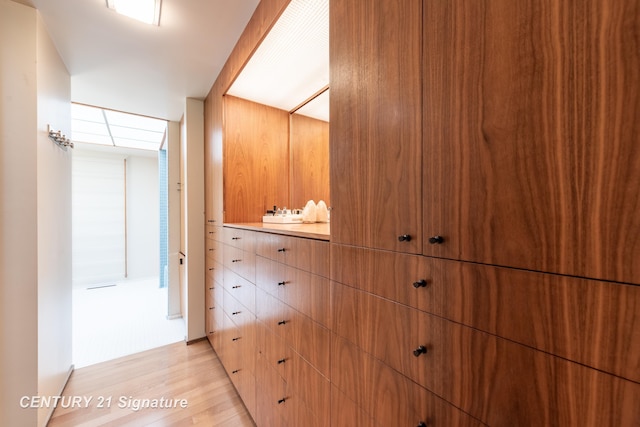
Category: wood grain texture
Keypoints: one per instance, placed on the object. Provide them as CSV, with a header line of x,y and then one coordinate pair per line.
x,y
495,380
256,159
531,124
587,321
176,371
309,146
388,397
375,139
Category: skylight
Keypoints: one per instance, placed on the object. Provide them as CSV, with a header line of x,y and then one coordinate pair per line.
x,y
107,127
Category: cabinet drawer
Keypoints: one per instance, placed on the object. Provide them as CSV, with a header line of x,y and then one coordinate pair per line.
x,y
389,397
303,291
212,232
588,321
272,394
241,239
241,262
306,254
272,348
308,338
214,250
272,246
242,333
215,270
241,289
311,388
472,369
346,413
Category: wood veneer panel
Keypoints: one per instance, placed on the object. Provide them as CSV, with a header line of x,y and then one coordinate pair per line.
x,y
591,322
309,145
345,412
498,381
531,124
256,159
390,398
376,134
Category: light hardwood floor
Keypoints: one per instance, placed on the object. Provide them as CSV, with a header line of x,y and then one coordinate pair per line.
x,y
175,371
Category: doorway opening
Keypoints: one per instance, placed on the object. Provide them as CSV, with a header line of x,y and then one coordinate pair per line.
x,y
119,236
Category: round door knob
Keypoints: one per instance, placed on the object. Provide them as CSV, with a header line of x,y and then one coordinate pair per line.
x,y
420,350
404,238
420,284
422,424
436,240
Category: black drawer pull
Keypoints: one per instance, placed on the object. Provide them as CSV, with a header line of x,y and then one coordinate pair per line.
x,y
404,238
236,260
236,371
436,240
281,361
420,350
422,424
211,308
211,288
235,287
211,220
235,238
211,249
235,339
282,400
211,268
211,232
420,284
235,312
282,322
211,332
281,250
282,283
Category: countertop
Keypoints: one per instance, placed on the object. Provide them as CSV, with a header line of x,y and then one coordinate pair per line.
x,y
316,230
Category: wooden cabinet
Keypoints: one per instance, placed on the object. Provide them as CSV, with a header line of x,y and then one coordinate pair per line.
x,y
375,138
531,155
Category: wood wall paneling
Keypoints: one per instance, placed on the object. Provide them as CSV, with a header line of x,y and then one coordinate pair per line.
x,y
256,159
375,138
531,154
309,145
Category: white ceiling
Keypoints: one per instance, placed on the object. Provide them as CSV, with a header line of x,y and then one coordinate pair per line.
x,y
121,64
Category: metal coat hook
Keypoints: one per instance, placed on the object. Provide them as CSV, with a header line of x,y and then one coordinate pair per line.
x,y
61,140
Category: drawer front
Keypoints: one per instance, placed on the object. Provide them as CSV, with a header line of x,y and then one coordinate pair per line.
x,y
270,275
310,387
273,349
214,250
309,255
389,397
272,246
569,317
346,413
272,394
213,232
241,262
241,289
472,369
216,271
240,239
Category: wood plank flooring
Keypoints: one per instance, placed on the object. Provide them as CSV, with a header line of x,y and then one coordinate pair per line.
x,y
175,371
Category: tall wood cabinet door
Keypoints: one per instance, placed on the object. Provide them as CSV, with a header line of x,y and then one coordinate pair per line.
x,y
531,124
375,138
213,158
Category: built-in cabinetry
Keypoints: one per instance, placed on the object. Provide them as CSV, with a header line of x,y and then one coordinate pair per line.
x,y
495,279
483,261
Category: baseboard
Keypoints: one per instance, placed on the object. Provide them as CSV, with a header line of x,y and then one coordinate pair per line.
x,y
196,340
174,316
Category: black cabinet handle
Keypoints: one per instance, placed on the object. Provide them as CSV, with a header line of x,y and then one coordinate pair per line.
x,y
235,312
211,249
281,361
211,232
211,308
420,350
422,424
404,238
235,287
436,240
211,220
236,260
235,339
281,283
281,250
235,238
282,400
282,322
420,284
236,371
211,288
211,269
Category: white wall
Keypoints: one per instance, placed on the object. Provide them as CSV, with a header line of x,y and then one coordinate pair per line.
x,y
54,223
143,216
35,291
18,217
194,217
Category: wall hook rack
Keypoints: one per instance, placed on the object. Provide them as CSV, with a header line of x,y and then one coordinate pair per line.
x,y
61,140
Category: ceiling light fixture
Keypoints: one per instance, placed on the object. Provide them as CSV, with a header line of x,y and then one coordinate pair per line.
x,y
147,11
